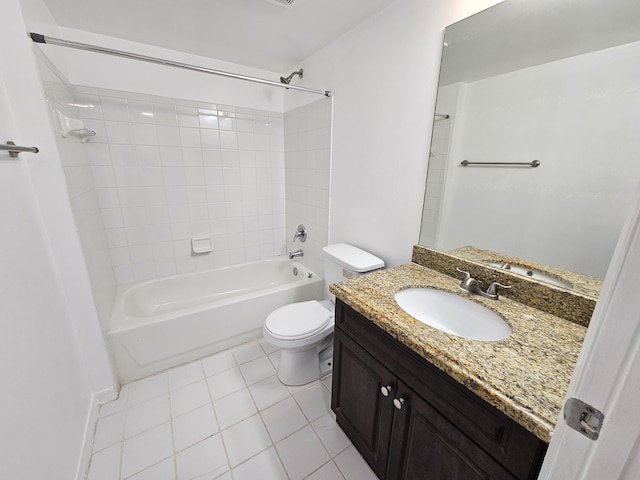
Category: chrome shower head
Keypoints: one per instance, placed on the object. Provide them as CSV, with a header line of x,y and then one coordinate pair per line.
x,y
287,80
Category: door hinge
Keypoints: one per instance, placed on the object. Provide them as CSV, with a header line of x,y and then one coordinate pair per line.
x,y
583,418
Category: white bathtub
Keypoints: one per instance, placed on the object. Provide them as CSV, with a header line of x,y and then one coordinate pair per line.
x,y
162,323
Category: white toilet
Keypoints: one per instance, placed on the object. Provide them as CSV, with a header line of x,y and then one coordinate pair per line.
x,y
303,330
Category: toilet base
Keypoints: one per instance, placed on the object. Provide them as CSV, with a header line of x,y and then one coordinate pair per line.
x,y
326,361
299,368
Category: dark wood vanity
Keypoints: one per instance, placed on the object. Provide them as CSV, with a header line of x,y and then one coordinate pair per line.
x,y
410,420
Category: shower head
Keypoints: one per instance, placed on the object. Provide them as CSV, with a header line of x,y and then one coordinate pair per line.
x,y
281,3
287,80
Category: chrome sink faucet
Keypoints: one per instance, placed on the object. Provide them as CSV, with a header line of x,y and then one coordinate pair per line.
x,y
472,285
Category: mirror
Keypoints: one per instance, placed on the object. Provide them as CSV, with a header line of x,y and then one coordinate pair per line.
x,y
548,80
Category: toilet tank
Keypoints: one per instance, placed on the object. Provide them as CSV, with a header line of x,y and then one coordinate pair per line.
x,y
343,261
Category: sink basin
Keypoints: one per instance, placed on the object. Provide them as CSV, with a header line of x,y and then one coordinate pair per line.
x,y
453,314
531,273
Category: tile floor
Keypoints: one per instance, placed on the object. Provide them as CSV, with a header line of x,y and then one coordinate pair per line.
x,y
223,417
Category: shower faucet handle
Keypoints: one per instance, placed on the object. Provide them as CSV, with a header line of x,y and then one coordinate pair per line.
x,y
301,233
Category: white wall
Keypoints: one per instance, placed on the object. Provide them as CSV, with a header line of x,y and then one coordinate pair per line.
x,y
52,356
25,88
580,120
383,75
105,71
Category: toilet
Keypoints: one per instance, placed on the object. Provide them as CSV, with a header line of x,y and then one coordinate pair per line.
x,y
304,330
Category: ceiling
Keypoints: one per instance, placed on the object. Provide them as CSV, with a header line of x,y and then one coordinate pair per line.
x,y
257,33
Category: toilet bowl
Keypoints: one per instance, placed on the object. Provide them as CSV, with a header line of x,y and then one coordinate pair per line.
x,y
303,331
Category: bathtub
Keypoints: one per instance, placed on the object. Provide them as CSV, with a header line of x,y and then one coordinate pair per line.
x,y
161,323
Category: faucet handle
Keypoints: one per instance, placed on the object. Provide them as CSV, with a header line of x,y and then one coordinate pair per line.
x,y
301,233
467,275
493,288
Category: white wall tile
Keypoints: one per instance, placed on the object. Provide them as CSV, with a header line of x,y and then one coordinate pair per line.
x,y
144,134
210,138
187,116
122,154
229,139
208,118
168,135
171,169
119,132
171,156
140,111
192,157
211,157
190,137
114,108
144,271
165,114
306,176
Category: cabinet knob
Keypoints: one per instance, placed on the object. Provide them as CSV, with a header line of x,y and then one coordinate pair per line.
x,y
398,403
385,390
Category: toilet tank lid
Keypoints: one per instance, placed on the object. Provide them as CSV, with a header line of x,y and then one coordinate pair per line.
x,y
352,257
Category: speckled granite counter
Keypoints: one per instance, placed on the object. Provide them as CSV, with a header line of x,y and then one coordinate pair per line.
x,y
581,284
525,376
568,304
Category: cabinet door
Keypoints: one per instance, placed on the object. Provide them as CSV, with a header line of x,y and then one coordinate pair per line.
x,y
426,446
362,411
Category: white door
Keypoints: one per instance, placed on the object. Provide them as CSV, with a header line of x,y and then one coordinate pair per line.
x,y
607,377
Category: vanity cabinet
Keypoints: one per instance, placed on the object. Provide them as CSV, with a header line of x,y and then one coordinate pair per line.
x,y
409,420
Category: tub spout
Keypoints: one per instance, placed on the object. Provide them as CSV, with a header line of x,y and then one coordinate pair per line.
x,y
297,253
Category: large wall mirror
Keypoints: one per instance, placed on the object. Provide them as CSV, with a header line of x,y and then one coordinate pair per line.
x,y
556,81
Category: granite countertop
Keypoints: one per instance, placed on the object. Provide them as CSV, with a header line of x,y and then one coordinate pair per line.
x,y
526,375
581,283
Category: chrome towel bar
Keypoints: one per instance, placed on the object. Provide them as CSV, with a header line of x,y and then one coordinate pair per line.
x,y
532,164
14,150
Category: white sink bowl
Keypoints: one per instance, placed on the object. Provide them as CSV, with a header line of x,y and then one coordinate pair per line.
x,y
531,273
453,314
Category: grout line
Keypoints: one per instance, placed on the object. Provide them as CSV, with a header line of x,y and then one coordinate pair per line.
x,y
259,414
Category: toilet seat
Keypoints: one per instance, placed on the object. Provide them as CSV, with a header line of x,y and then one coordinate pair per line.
x,y
298,320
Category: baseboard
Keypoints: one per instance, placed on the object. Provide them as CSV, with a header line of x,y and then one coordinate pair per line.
x,y
97,399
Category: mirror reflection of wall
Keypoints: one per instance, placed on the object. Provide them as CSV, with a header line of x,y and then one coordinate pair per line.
x,y
521,84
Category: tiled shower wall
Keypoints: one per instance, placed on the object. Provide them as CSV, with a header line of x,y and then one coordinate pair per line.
x,y
83,195
436,177
167,170
161,171
307,143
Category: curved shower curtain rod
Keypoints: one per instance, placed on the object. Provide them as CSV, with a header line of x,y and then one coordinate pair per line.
x,y
39,38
